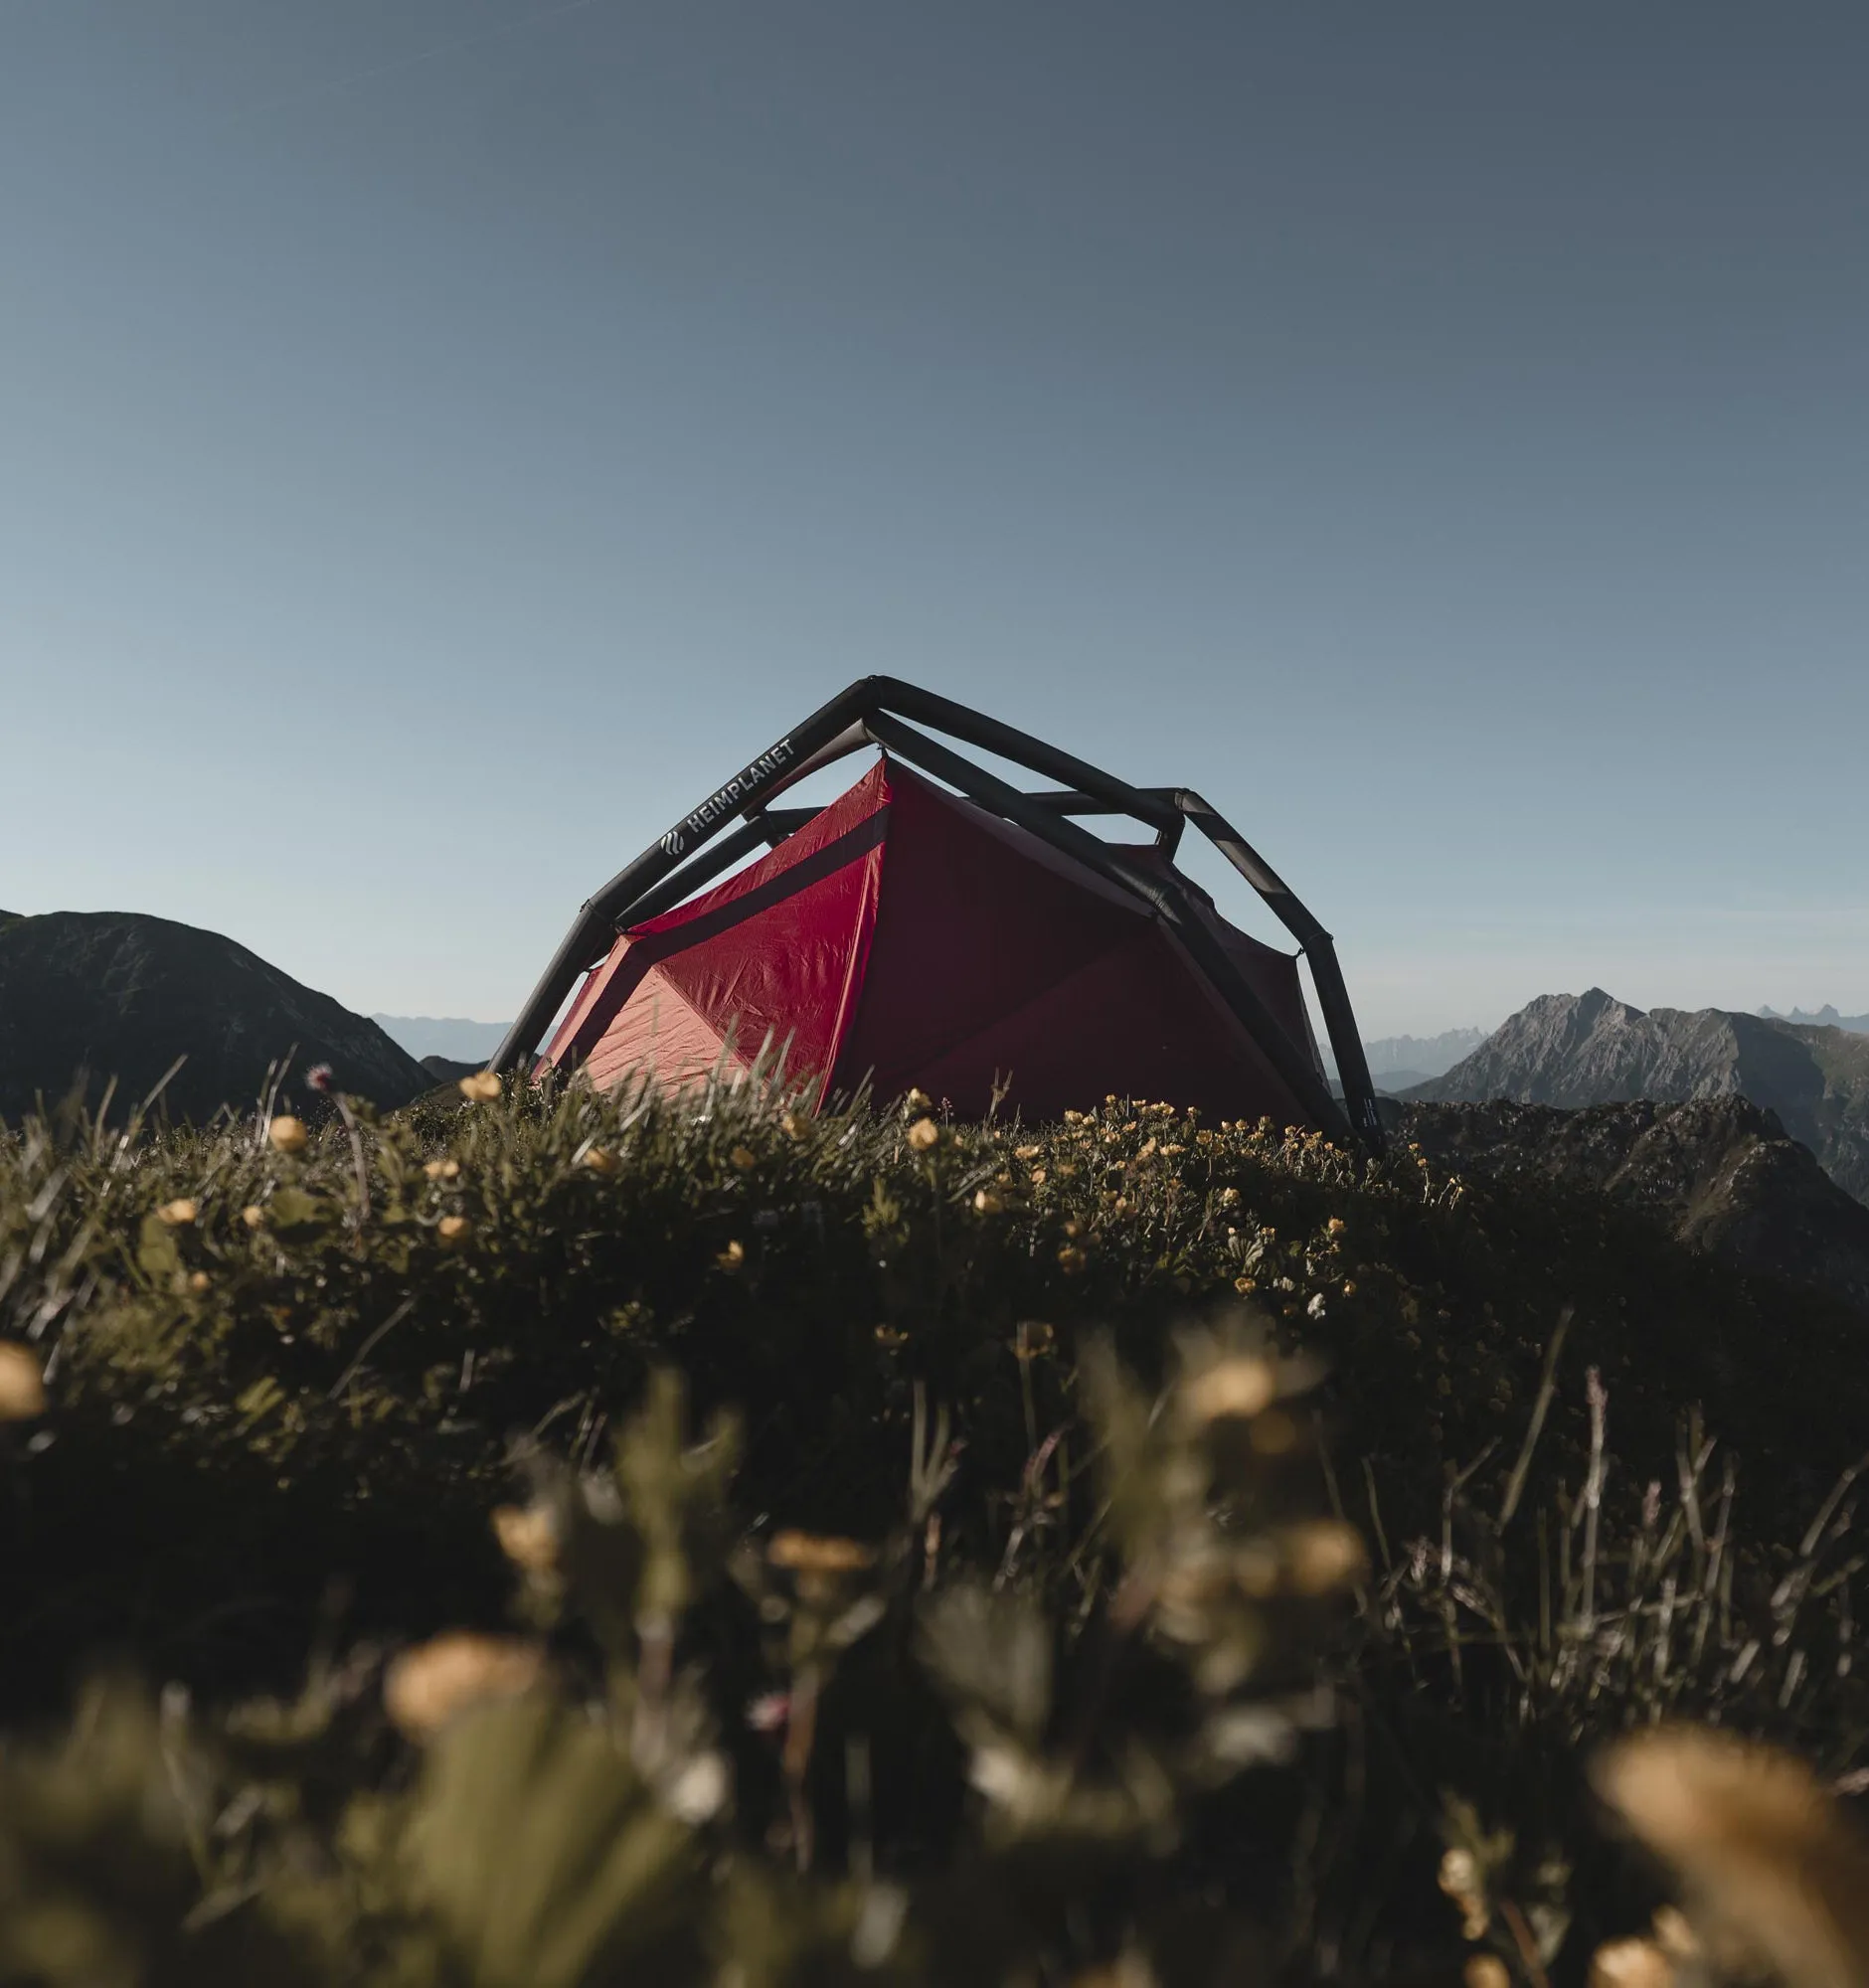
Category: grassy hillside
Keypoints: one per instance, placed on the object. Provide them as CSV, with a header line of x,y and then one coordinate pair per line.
x,y
1051,1475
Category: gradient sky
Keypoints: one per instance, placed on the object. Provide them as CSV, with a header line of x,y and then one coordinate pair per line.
x,y
442,439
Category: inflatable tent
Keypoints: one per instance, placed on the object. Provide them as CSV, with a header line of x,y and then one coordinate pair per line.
x,y
936,928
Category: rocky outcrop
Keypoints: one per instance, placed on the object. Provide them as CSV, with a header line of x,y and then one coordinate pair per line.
x,y
1578,1050
91,996
1720,1174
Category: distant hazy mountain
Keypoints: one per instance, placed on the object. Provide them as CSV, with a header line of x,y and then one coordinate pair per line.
x,y
449,1035
1827,1017
1397,1062
1394,1056
1577,1050
117,994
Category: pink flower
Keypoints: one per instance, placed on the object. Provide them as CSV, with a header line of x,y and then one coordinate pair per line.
x,y
769,1712
319,1077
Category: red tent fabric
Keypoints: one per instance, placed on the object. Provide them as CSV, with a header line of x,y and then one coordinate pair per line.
x,y
908,936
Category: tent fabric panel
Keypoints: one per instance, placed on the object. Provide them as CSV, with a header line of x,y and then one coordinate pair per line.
x,y
1134,1021
1274,976
1254,1082
970,928
1271,975
788,974
1026,847
721,929
851,808
658,1032
607,987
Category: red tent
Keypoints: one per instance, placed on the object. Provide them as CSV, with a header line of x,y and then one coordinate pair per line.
x,y
913,939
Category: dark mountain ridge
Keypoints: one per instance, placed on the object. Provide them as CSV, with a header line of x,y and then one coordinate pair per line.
x,y
1719,1174
1578,1050
95,995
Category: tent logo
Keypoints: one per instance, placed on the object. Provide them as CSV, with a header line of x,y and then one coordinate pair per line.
x,y
744,783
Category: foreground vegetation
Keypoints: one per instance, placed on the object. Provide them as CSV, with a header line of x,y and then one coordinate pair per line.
x,y
552,1538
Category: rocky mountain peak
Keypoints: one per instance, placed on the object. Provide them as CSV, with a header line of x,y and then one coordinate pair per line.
x,y
1578,1050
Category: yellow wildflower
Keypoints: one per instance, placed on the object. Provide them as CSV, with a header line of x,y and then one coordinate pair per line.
x,y
1771,1866
1625,1963
815,1553
426,1687
21,1384
1323,1554
288,1134
1238,1387
528,1535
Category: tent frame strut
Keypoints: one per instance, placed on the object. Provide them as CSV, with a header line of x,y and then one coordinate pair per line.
x,y
883,712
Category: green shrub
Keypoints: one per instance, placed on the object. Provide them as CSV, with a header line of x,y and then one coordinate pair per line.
x,y
966,1642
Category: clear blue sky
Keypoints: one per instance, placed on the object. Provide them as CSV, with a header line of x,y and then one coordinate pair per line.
x,y
439,440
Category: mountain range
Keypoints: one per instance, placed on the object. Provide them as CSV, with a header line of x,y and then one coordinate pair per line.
x,y
1398,1062
1580,1049
88,997
449,1035
1825,1017
91,996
